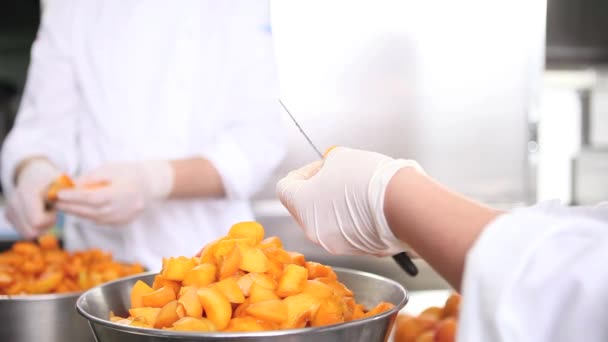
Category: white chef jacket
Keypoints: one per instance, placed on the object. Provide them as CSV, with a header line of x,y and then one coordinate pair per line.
x,y
538,274
128,80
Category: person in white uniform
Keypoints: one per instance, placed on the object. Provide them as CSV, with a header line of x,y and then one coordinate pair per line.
x,y
173,104
532,274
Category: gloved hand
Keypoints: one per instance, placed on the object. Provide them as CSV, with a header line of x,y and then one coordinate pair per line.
x,y
130,188
25,205
339,202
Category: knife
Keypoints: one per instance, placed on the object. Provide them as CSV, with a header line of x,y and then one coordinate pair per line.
x,y
402,259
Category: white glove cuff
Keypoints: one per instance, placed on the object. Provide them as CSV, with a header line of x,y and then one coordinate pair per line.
x,y
157,178
38,172
376,193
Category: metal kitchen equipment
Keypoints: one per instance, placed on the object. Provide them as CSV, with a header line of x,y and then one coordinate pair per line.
x,y
402,259
96,304
48,318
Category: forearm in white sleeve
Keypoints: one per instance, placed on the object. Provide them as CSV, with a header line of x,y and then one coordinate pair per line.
x,y
537,274
45,124
251,143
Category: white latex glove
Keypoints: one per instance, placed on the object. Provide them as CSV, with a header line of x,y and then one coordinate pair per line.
x,y
131,187
339,202
25,205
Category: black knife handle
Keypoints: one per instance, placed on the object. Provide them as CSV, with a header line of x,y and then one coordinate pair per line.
x,y
406,263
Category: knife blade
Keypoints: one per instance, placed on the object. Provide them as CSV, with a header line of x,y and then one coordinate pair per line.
x,y
402,259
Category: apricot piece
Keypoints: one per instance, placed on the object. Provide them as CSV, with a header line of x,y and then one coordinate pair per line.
x,y
339,289
158,298
216,305
229,264
316,270
318,289
427,336
167,315
451,307
297,258
60,183
177,268
206,254
253,260
160,281
446,330
191,303
46,283
200,275
273,310
25,248
148,315
248,279
277,255
48,242
408,328
271,241
292,281
137,292
229,288
246,323
380,308
301,308
330,312
241,309
258,293
248,230
433,312
194,324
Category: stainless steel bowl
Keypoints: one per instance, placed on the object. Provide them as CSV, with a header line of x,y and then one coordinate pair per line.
x,y
42,318
369,289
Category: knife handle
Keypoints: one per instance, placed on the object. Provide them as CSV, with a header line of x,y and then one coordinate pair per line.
x,y
406,263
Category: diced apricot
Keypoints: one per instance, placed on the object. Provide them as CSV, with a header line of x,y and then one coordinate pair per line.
x,y
330,312
339,289
167,315
248,279
278,255
258,293
160,281
200,275
301,308
253,260
380,308
229,264
25,248
446,330
148,315
297,258
206,254
242,324
48,242
408,328
427,336
432,312
318,289
137,292
271,241
5,279
247,230
216,305
229,288
271,310
194,324
293,280
47,282
241,309
451,306
191,303
158,298
177,268
60,183
316,270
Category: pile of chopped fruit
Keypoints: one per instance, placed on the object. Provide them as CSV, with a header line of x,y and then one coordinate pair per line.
x,y
243,282
43,267
435,324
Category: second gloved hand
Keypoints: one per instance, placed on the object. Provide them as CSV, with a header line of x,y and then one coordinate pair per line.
x,y
131,187
339,202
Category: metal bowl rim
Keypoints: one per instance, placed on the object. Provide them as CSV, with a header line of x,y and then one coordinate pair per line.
x,y
268,333
40,297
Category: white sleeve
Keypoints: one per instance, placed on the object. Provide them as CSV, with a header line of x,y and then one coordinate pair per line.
x,y
537,274
46,121
252,142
